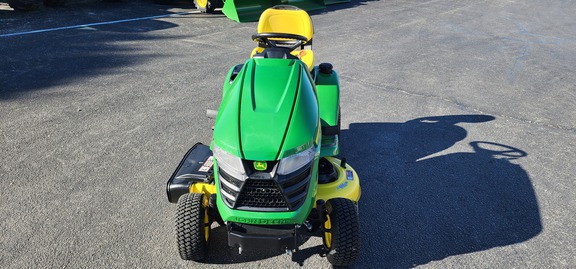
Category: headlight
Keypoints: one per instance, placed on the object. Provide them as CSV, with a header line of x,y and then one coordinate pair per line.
x,y
231,164
292,163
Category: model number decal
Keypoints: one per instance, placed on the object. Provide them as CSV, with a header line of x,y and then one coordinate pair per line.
x,y
261,221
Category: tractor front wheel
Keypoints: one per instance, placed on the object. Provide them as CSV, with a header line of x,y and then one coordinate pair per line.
x,y
192,227
341,232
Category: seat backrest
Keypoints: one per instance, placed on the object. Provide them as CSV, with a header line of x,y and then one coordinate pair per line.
x,y
286,19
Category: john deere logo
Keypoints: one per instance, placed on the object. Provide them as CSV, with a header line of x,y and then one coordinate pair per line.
x,y
260,166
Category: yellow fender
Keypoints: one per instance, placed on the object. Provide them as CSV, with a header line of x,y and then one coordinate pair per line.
x,y
346,186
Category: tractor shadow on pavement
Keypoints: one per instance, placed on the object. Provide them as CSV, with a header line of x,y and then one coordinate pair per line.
x,y
419,205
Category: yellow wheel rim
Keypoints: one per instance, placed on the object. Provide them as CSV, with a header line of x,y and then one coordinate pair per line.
x,y
328,232
202,3
206,225
206,203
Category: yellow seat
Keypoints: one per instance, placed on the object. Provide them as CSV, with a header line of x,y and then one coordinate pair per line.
x,y
285,19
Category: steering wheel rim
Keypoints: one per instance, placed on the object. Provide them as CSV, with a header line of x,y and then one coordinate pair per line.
x,y
266,39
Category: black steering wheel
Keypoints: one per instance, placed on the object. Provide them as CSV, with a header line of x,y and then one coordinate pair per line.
x,y
268,40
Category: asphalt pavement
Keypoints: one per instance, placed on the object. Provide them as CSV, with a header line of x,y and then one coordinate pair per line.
x,y
459,117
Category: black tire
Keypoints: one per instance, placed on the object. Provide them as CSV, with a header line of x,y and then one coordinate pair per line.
x,y
25,5
54,3
344,243
190,224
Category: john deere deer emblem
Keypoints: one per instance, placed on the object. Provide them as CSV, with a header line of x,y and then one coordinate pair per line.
x,y
260,166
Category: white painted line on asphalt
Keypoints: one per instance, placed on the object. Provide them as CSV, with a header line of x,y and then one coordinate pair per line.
x,y
95,24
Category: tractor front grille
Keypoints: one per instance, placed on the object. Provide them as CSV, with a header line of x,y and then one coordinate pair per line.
x,y
263,192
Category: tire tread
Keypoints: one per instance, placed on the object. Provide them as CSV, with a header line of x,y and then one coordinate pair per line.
x,y
345,232
190,227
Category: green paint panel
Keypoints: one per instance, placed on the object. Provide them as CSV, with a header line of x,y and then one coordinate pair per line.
x,y
328,97
260,120
330,146
303,129
226,125
269,91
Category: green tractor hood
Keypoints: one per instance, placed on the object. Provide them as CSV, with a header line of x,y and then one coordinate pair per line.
x,y
268,111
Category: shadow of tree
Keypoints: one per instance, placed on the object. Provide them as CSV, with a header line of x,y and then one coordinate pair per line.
x,y
416,208
90,39
43,60
59,60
